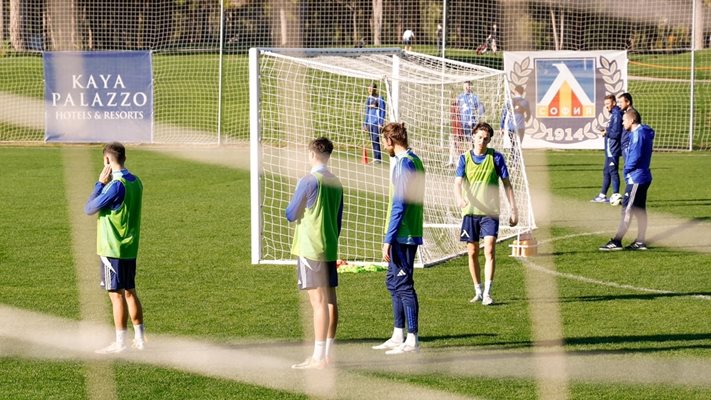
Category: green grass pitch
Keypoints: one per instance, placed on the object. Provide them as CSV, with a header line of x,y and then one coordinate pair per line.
x,y
646,313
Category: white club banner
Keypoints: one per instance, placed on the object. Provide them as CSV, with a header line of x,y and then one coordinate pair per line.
x,y
565,92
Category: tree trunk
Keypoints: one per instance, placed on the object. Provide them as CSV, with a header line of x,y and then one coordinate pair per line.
x,y
516,26
555,31
62,25
16,25
2,24
698,39
377,22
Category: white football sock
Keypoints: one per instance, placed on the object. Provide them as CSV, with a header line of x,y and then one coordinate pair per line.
x,y
319,350
138,332
121,337
329,346
477,288
411,339
398,335
487,287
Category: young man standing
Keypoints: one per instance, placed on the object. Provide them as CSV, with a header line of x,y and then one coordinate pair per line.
x,y
471,110
521,115
476,191
613,151
625,103
117,198
317,209
374,119
402,237
638,178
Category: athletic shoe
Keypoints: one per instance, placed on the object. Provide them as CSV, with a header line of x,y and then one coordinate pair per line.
x,y
113,348
477,297
138,344
487,300
637,246
600,199
612,245
310,363
388,345
403,348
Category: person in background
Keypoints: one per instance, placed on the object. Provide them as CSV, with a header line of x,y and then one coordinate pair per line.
x,y
374,119
638,178
613,151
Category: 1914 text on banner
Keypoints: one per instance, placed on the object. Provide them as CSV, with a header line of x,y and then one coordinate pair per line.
x,y
98,96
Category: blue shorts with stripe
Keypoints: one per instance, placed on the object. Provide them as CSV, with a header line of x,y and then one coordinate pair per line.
x,y
475,227
117,273
311,274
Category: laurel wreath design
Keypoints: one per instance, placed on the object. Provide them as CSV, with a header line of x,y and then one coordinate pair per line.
x,y
611,75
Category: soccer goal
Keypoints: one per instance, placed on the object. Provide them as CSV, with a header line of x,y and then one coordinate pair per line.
x,y
299,94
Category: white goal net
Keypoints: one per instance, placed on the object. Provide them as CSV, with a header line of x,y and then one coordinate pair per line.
x,y
297,95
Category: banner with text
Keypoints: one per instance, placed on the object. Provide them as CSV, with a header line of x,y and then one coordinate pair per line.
x,y
565,91
98,96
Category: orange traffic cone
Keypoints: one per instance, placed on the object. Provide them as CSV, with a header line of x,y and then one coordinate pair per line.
x,y
364,156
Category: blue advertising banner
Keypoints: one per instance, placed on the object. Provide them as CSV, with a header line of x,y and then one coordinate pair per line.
x,y
98,96
566,90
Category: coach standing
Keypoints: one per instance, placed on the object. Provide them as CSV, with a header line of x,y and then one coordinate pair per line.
x,y
638,178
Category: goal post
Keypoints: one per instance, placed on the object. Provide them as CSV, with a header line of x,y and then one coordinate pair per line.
x,y
299,94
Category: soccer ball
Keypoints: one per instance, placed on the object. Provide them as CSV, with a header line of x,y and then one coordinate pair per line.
x,y
615,199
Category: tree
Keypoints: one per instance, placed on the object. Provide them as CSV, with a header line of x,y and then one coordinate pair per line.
x,y
377,22
61,20
17,19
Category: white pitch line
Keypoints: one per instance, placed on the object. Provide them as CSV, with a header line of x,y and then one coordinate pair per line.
x,y
579,278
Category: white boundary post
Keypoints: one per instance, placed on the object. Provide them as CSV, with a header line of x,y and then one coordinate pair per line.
x,y
219,73
396,89
692,78
254,156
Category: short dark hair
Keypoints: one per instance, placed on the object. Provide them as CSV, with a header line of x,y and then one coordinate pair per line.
x,y
636,118
627,97
322,147
484,127
396,132
518,89
611,97
116,150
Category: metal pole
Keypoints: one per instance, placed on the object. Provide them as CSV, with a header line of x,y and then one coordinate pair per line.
x,y
691,79
219,74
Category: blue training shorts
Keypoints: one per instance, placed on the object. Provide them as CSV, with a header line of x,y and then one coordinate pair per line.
x,y
311,274
475,227
117,273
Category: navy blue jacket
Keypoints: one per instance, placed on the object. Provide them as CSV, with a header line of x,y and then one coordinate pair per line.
x,y
613,137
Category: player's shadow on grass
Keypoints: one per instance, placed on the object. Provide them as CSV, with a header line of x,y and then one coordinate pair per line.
x,y
636,296
621,343
683,203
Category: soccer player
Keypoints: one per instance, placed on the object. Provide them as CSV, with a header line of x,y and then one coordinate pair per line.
x,y
471,110
374,119
117,198
407,37
613,151
402,237
476,191
317,209
638,178
625,103
521,115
